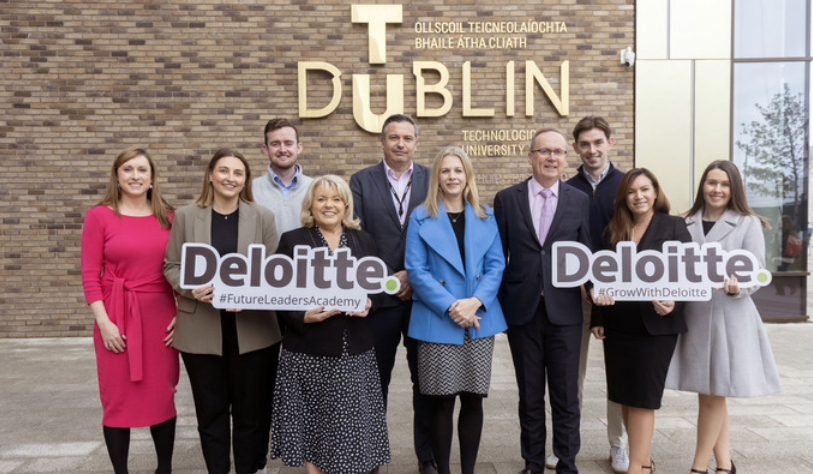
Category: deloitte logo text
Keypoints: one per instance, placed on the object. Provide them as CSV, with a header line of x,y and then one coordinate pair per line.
x,y
312,278
681,272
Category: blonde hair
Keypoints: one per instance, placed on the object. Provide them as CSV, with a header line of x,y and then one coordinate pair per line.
x,y
207,194
112,196
470,194
330,181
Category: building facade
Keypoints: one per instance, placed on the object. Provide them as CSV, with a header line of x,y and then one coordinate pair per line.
x,y
81,81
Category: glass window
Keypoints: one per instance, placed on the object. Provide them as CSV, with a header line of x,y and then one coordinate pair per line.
x,y
770,29
771,147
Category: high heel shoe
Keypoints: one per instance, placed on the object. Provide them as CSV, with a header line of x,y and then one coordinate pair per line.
x,y
698,471
651,466
733,469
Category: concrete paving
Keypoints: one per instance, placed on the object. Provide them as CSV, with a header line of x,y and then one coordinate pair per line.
x,y
50,416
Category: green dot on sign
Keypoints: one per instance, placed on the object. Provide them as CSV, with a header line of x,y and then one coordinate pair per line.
x,y
392,284
763,277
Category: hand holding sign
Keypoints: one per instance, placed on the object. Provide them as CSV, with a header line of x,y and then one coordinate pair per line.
x,y
204,293
732,286
362,314
319,314
663,308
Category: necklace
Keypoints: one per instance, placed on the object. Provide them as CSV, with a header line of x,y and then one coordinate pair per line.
x,y
454,216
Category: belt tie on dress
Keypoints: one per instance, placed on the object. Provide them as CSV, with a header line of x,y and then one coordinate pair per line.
x,y
127,316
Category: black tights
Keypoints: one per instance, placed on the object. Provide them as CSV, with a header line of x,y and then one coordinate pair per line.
x,y
469,428
118,446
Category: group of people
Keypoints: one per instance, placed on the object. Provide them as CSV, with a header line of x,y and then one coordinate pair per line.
x,y
311,386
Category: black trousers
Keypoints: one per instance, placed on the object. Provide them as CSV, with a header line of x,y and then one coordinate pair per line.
x,y
268,406
233,390
389,325
543,350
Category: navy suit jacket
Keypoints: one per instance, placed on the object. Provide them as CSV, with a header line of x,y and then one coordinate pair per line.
x,y
373,204
528,271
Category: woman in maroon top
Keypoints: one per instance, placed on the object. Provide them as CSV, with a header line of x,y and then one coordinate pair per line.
x,y
123,243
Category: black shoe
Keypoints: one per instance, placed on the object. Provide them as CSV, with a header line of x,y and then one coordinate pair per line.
x,y
733,469
427,467
528,471
698,471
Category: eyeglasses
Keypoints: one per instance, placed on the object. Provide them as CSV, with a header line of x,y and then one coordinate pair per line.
x,y
546,152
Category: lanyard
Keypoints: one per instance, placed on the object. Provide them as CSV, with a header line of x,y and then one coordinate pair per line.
x,y
403,196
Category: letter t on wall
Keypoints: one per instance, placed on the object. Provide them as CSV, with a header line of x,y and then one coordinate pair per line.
x,y
377,17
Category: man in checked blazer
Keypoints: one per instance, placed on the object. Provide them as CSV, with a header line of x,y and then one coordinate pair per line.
x,y
544,322
384,196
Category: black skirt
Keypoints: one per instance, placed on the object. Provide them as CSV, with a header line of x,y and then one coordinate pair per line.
x,y
637,364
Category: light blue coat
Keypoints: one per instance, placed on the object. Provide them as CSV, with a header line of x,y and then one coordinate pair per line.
x,y
437,275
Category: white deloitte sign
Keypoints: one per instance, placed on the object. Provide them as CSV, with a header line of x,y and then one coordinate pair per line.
x,y
680,272
311,279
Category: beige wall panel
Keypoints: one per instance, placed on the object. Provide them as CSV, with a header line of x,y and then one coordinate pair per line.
x,y
700,29
663,125
712,105
652,29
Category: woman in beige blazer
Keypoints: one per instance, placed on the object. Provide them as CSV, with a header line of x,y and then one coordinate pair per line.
x,y
230,355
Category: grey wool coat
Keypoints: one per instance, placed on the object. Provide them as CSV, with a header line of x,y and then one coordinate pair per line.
x,y
726,350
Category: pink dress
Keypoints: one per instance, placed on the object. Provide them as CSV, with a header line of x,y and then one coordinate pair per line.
x,y
122,261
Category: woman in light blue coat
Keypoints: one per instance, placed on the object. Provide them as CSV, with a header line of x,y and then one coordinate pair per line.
x,y
455,262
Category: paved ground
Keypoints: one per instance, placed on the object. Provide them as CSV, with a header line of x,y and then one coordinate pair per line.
x,y
50,416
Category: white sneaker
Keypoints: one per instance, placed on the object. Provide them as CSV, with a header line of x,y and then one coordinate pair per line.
x,y
619,460
262,471
551,462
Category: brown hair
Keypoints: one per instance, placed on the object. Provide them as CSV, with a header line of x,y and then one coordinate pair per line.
x,y
738,201
160,208
622,221
589,123
207,193
340,185
470,194
276,124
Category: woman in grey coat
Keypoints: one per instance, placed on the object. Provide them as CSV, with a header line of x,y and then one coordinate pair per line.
x,y
726,352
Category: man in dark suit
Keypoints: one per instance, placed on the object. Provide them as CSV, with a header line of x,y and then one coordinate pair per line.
x,y
384,196
598,178
544,322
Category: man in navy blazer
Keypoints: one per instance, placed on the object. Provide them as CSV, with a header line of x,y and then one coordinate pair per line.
x,y
544,322
384,196
599,179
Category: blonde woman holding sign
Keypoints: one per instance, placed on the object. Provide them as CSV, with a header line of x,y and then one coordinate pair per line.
x,y
230,355
726,352
639,336
328,406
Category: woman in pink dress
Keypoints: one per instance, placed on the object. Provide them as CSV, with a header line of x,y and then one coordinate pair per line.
x,y
123,244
